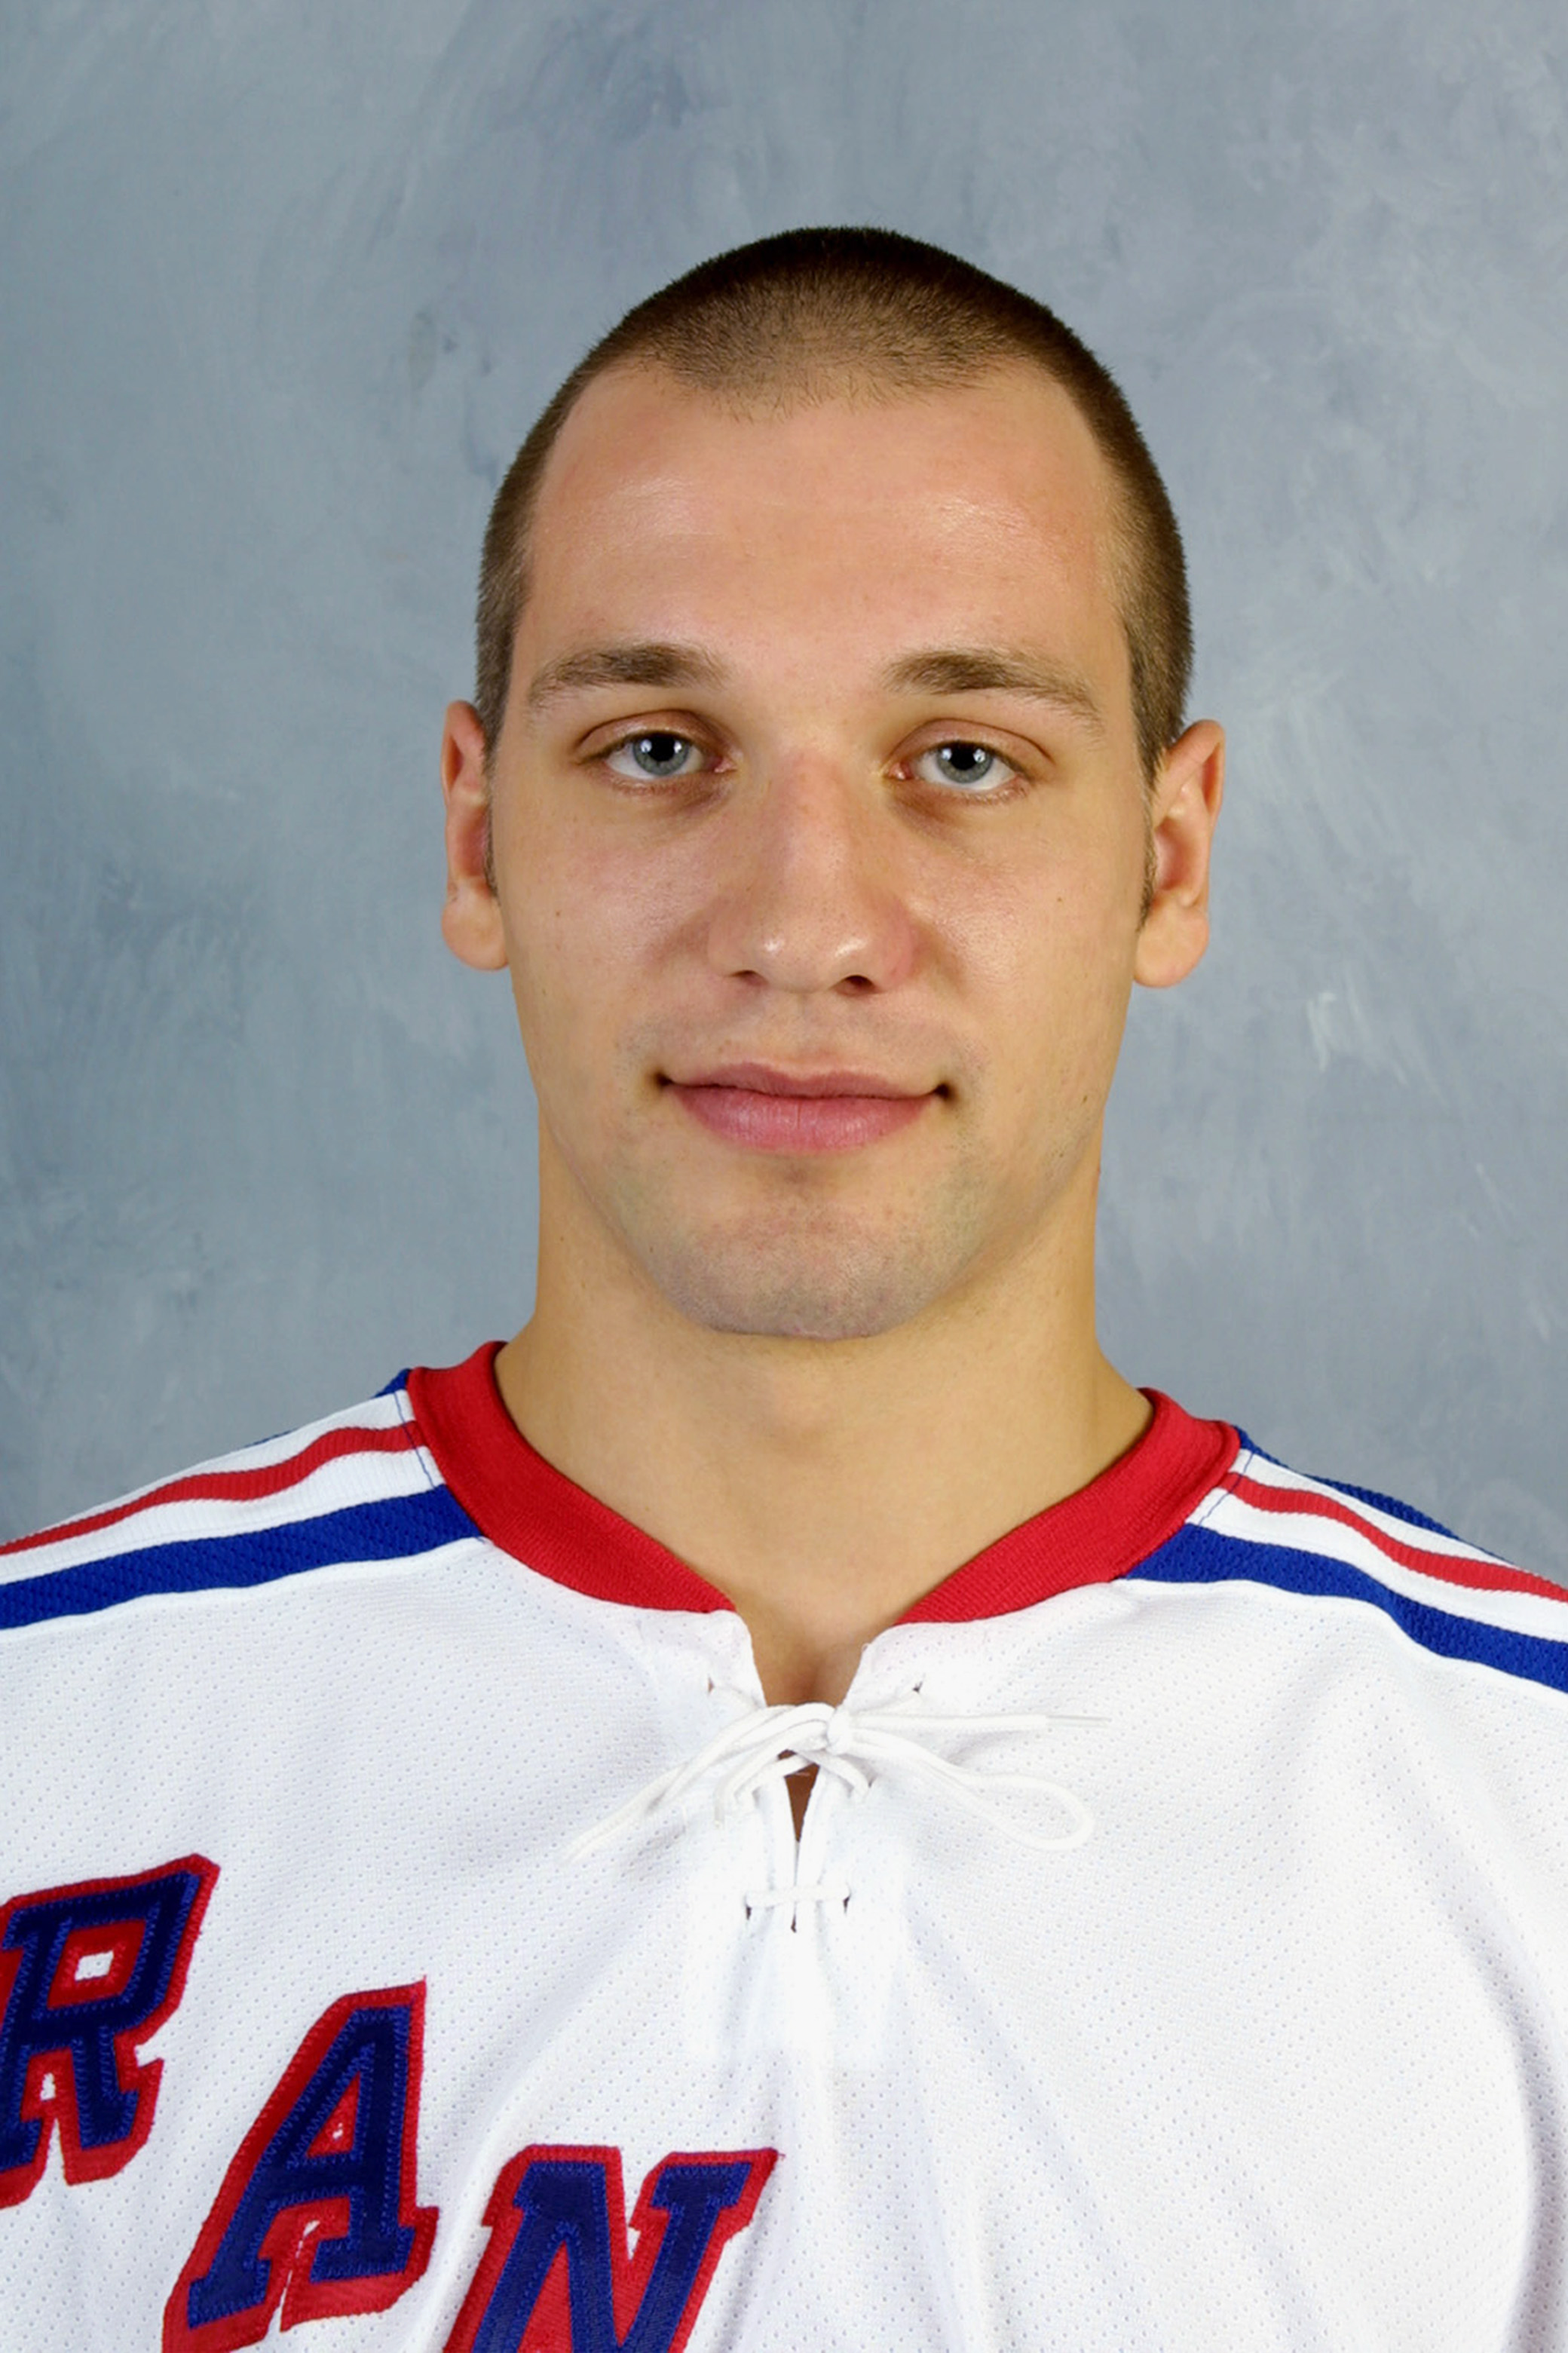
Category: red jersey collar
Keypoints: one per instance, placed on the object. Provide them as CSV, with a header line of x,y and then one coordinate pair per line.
x,y
527,1507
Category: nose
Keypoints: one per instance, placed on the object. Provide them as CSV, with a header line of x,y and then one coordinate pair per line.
x,y
815,899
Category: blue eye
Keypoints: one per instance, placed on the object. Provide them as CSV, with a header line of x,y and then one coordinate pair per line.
x,y
658,755
971,768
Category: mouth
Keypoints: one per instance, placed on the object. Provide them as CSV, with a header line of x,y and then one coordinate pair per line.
x,y
768,1110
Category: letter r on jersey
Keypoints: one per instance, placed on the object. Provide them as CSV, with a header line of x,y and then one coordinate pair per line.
x,y
87,1974
316,2212
557,2277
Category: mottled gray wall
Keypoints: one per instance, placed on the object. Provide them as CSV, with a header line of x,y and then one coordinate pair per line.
x,y
280,288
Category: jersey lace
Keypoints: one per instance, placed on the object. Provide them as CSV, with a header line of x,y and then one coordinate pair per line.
x,y
856,1747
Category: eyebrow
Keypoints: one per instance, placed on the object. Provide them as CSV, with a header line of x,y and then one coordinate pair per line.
x,y
646,663
994,670
935,669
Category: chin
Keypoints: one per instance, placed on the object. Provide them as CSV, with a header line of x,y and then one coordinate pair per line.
x,y
769,1289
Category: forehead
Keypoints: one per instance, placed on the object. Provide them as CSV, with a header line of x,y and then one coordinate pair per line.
x,y
982,510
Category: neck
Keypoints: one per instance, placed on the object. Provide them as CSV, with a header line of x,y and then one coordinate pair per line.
x,y
824,1487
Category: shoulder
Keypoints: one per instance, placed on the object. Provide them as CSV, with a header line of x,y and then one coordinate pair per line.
x,y
357,1486
1267,1524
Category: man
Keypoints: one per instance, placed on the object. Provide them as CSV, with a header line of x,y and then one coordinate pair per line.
x,y
791,1808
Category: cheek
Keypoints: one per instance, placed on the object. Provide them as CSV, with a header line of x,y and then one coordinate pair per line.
x,y
584,929
1063,934
1048,960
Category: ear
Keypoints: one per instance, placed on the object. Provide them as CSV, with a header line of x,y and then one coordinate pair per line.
x,y
1185,807
470,919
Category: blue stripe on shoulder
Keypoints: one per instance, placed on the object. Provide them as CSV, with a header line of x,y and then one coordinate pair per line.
x,y
1196,1555
399,1525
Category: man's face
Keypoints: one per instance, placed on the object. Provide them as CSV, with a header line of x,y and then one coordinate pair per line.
x,y
819,844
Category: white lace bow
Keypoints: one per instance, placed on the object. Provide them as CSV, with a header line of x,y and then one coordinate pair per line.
x,y
857,1746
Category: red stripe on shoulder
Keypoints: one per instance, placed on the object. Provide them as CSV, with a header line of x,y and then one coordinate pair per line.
x,y
231,1486
1483,1575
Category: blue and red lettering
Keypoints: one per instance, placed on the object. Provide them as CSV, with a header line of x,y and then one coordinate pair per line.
x,y
87,1974
558,2275
318,2213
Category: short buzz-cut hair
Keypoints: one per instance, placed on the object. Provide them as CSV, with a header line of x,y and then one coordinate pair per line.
x,y
867,315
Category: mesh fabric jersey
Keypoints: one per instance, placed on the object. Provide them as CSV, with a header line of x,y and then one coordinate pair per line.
x,y
403,1937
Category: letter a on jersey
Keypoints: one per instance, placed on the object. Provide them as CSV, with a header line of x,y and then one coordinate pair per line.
x,y
88,1973
316,2212
557,2277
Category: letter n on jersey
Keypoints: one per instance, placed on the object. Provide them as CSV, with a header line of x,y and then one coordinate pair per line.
x,y
557,2277
316,2212
88,1973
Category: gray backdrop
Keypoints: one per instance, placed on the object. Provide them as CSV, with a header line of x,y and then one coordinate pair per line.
x,y
280,288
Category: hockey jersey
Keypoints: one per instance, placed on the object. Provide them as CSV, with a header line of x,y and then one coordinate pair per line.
x,y
404,1936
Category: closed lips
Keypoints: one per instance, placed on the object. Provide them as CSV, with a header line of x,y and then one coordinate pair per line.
x,y
780,1111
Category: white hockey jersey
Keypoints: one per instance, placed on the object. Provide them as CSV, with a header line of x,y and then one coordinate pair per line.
x,y
403,1937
